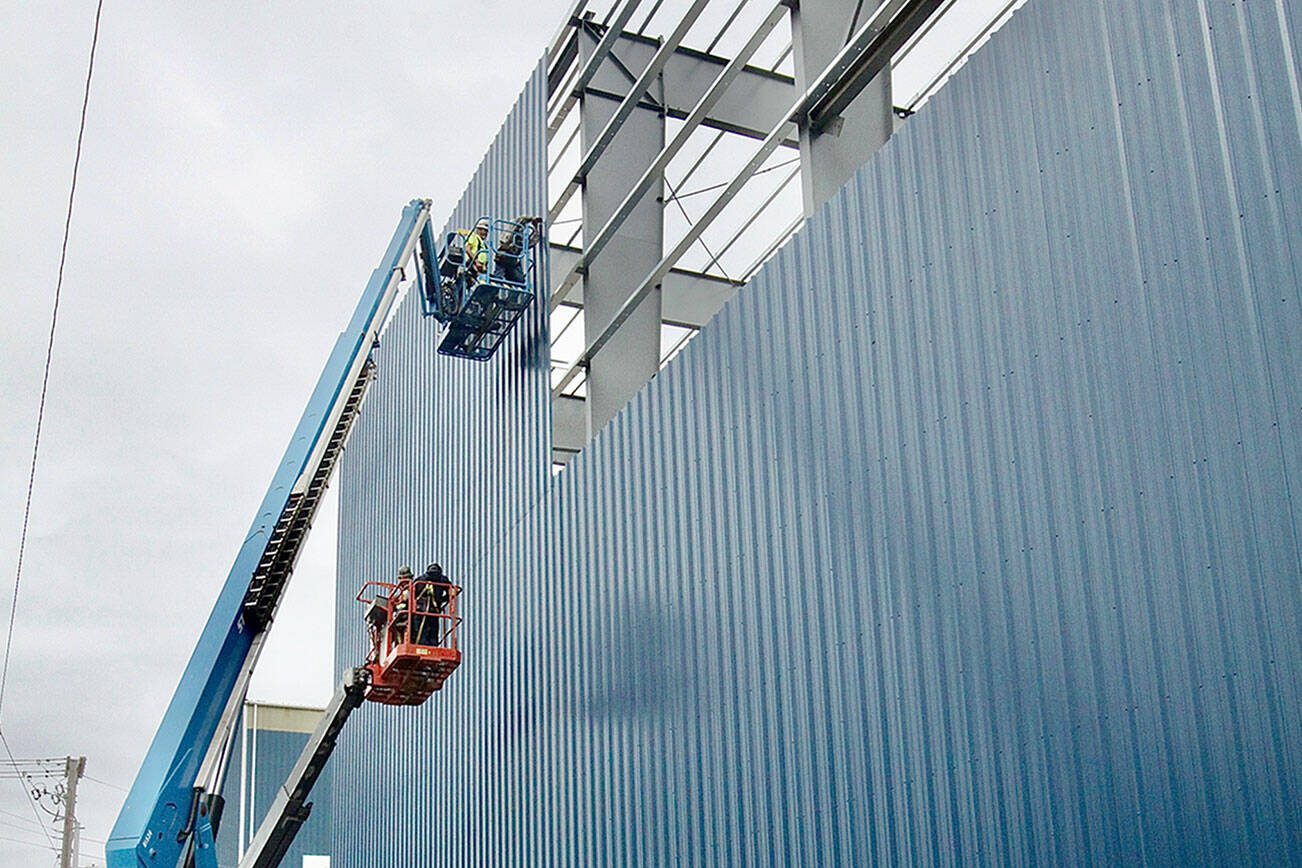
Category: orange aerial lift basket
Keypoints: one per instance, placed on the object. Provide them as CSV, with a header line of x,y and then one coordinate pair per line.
x,y
413,631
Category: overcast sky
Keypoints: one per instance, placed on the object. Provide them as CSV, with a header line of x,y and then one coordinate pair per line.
x,y
244,166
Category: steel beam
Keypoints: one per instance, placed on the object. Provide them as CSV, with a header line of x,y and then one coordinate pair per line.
x,y
559,43
817,34
629,103
563,52
688,298
569,427
751,108
748,110
594,60
864,68
635,353
725,118
652,281
872,37
656,170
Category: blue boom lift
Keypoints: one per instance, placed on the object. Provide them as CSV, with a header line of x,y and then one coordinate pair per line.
x,y
172,812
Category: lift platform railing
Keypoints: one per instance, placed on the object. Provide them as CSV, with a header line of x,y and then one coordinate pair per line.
x,y
455,280
401,615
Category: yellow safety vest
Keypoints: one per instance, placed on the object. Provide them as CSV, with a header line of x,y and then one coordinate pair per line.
x,y
476,250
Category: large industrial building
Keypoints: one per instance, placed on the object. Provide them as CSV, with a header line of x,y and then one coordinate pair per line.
x,y
866,485
268,742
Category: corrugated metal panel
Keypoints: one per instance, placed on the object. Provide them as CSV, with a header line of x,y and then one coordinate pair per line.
x,y
446,457
965,534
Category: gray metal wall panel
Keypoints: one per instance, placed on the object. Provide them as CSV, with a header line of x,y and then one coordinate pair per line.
x,y
966,534
446,457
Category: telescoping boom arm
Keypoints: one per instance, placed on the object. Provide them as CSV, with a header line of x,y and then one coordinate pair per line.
x,y
290,809
174,805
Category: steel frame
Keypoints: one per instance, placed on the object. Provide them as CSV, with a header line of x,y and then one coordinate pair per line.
x,y
893,28
656,169
629,103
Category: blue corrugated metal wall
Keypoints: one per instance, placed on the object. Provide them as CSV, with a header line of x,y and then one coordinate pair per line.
x,y
445,458
964,535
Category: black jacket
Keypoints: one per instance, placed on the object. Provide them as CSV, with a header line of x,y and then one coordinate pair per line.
x,y
438,590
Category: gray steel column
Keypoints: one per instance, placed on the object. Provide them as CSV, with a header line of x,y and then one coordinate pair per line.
x,y
632,357
819,30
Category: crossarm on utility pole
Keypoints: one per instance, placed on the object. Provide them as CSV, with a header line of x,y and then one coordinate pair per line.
x,y
290,809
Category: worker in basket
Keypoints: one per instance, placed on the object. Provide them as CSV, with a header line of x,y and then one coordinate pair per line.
x,y
477,250
401,604
522,234
474,263
432,595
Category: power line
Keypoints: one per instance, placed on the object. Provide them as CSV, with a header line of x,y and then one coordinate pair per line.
x,y
30,844
49,766
104,783
26,792
19,826
49,354
15,816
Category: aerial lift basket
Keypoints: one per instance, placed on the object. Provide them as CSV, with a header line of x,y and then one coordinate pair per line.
x,y
413,632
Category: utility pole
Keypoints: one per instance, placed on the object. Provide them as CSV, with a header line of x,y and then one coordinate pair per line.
x,y
73,769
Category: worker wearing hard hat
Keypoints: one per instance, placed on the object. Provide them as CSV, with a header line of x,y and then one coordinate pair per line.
x,y
515,241
431,602
477,248
401,591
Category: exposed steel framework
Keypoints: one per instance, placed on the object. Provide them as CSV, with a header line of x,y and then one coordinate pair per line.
x,y
721,77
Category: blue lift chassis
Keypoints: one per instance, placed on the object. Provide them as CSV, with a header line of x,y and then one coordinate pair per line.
x,y
168,816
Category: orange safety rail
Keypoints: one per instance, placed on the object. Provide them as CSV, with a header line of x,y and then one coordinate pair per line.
x,y
413,639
